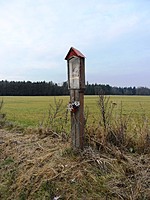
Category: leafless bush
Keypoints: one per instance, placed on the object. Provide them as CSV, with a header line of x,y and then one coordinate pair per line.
x,y
2,115
106,108
119,130
56,123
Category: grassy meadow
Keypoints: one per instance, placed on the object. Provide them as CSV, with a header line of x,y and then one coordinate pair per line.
x,y
33,111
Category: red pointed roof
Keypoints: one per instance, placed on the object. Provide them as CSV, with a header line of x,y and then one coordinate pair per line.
x,y
74,52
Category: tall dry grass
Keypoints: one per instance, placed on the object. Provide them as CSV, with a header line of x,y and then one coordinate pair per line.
x,y
114,129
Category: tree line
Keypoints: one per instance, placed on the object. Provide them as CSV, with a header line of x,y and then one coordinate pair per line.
x,y
28,88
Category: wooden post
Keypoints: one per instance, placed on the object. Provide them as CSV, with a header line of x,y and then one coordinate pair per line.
x,y
76,83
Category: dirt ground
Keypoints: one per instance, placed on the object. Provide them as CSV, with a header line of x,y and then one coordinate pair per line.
x,y
42,165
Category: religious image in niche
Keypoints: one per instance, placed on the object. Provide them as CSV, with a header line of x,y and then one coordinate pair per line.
x,y
75,70
74,73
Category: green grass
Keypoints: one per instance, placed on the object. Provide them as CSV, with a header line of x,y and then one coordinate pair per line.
x,y
32,111
135,104
27,111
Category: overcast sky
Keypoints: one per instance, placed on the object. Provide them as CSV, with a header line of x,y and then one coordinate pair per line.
x,y
114,35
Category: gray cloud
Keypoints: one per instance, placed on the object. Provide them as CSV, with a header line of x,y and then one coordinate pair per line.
x,y
36,35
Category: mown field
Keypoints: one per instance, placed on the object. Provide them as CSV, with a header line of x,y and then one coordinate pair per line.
x,y
33,111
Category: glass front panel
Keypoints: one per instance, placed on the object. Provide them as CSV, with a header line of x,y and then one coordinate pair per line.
x,y
74,66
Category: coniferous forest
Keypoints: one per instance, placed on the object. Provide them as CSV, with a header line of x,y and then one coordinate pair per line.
x,y
28,88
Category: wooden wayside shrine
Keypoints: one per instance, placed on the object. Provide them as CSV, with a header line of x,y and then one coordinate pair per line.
x,y
76,84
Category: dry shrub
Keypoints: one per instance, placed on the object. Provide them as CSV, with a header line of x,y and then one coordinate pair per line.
x,y
2,115
123,131
57,117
